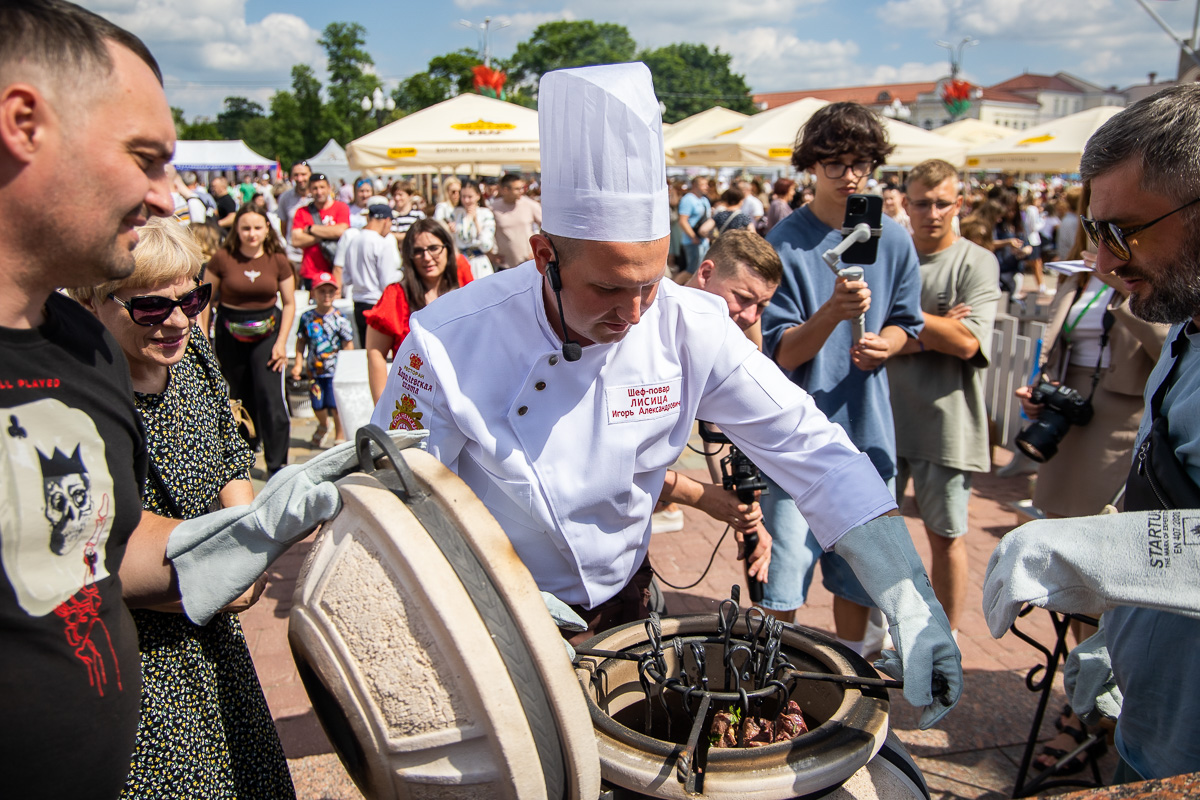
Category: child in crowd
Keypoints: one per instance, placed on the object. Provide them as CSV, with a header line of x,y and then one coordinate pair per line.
x,y
323,333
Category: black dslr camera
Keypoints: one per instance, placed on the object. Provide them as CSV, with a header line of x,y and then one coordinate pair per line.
x,y
1062,407
740,476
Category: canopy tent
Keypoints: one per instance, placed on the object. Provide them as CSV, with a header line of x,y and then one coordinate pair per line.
x,y
468,129
700,127
1052,147
766,139
972,132
230,154
331,161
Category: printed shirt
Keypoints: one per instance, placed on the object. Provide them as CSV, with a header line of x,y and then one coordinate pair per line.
x,y
325,336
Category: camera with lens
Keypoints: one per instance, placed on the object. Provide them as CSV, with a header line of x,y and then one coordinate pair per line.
x,y
1062,407
740,476
738,473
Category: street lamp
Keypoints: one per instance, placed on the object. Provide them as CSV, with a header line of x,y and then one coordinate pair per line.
x,y
956,54
485,51
379,103
897,110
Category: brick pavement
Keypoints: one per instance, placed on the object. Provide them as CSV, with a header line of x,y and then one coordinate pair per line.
x,y
973,753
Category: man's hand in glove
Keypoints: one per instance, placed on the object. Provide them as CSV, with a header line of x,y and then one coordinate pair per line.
x,y
564,618
219,555
1089,681
1088,565
882,556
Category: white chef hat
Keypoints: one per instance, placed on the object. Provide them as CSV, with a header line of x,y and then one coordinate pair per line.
x,y
604,172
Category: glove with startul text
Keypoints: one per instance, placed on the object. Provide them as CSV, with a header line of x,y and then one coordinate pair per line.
x,y
1089,565
219,555
882,556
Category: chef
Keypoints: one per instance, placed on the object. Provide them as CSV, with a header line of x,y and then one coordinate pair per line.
x,y
561,391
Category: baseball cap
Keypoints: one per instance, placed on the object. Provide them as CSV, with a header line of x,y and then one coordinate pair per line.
x,y
378,208
324,279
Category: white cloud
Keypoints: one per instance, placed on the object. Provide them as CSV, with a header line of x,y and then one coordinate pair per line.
x,y
209,51
469,4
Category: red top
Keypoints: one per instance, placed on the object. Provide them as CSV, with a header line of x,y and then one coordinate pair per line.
x,y
315,262
390,315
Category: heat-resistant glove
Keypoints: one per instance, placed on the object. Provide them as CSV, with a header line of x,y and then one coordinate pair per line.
x,y
564,618
882,556
1089,681
1089,565
219,555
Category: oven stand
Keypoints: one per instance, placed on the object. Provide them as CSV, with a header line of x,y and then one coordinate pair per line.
x,y
1040,679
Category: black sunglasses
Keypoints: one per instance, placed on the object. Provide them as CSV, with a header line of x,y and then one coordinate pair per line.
x,y
1115,238
150,309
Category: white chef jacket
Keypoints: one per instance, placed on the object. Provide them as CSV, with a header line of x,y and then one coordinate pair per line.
x,y
570,457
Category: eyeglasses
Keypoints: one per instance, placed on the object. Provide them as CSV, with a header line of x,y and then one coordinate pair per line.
x,y
836,169
434,250
924,205
151,309
1116,238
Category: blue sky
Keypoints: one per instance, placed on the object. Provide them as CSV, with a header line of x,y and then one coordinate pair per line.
x,y
210,49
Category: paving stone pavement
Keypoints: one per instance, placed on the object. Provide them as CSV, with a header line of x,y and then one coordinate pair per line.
x,y
972,754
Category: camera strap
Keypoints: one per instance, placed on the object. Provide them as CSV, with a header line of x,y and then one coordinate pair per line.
x,y
1107,324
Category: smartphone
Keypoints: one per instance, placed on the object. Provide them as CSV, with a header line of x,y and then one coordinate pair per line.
x,y
866,208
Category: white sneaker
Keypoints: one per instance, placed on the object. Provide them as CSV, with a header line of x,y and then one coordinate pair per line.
x,y
666,521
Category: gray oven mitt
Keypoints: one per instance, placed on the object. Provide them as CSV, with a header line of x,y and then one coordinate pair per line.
x,y
1089,681
217,556
882,556
1089,565
564,618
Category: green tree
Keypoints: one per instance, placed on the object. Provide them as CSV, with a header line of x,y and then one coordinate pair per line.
x,y
177,116
349,79
301,122
238,113
689,78
564,44
198,129
448,75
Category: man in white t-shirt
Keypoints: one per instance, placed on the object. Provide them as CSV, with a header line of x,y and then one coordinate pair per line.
x,y
751,206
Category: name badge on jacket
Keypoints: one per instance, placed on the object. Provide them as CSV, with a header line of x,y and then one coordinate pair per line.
x,y
648,401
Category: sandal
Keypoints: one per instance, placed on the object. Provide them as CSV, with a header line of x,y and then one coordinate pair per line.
x,y
1051,755
319,436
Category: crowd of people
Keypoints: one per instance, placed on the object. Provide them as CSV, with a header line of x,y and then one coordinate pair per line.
x,y
127,468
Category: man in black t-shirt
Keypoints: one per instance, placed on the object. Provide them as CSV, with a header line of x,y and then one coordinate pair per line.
x,y
79,97
226,204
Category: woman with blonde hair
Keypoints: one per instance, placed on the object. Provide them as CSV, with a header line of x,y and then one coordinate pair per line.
x,y
205,729
444,212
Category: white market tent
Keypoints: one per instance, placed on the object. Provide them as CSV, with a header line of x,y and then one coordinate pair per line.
x,y
332,162
208,154
1052,147
766,139
468,129
699,127
972,132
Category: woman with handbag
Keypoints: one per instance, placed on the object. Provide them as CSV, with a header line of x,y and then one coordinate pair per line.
x,y
254,288
205,728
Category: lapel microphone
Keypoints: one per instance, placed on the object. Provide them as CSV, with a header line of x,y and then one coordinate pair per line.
x,y
571,350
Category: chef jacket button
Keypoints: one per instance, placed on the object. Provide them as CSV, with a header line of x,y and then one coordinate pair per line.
x,y
553,360
521,411
540,385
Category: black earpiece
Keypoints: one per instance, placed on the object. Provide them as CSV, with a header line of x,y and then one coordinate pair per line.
x,y
571,350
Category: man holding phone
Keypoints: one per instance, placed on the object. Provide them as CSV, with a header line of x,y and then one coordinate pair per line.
x,y
807,331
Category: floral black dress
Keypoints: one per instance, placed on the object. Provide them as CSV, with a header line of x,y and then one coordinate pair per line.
x,y
205,729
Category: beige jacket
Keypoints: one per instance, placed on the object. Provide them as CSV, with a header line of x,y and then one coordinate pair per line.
x,y
1134,344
